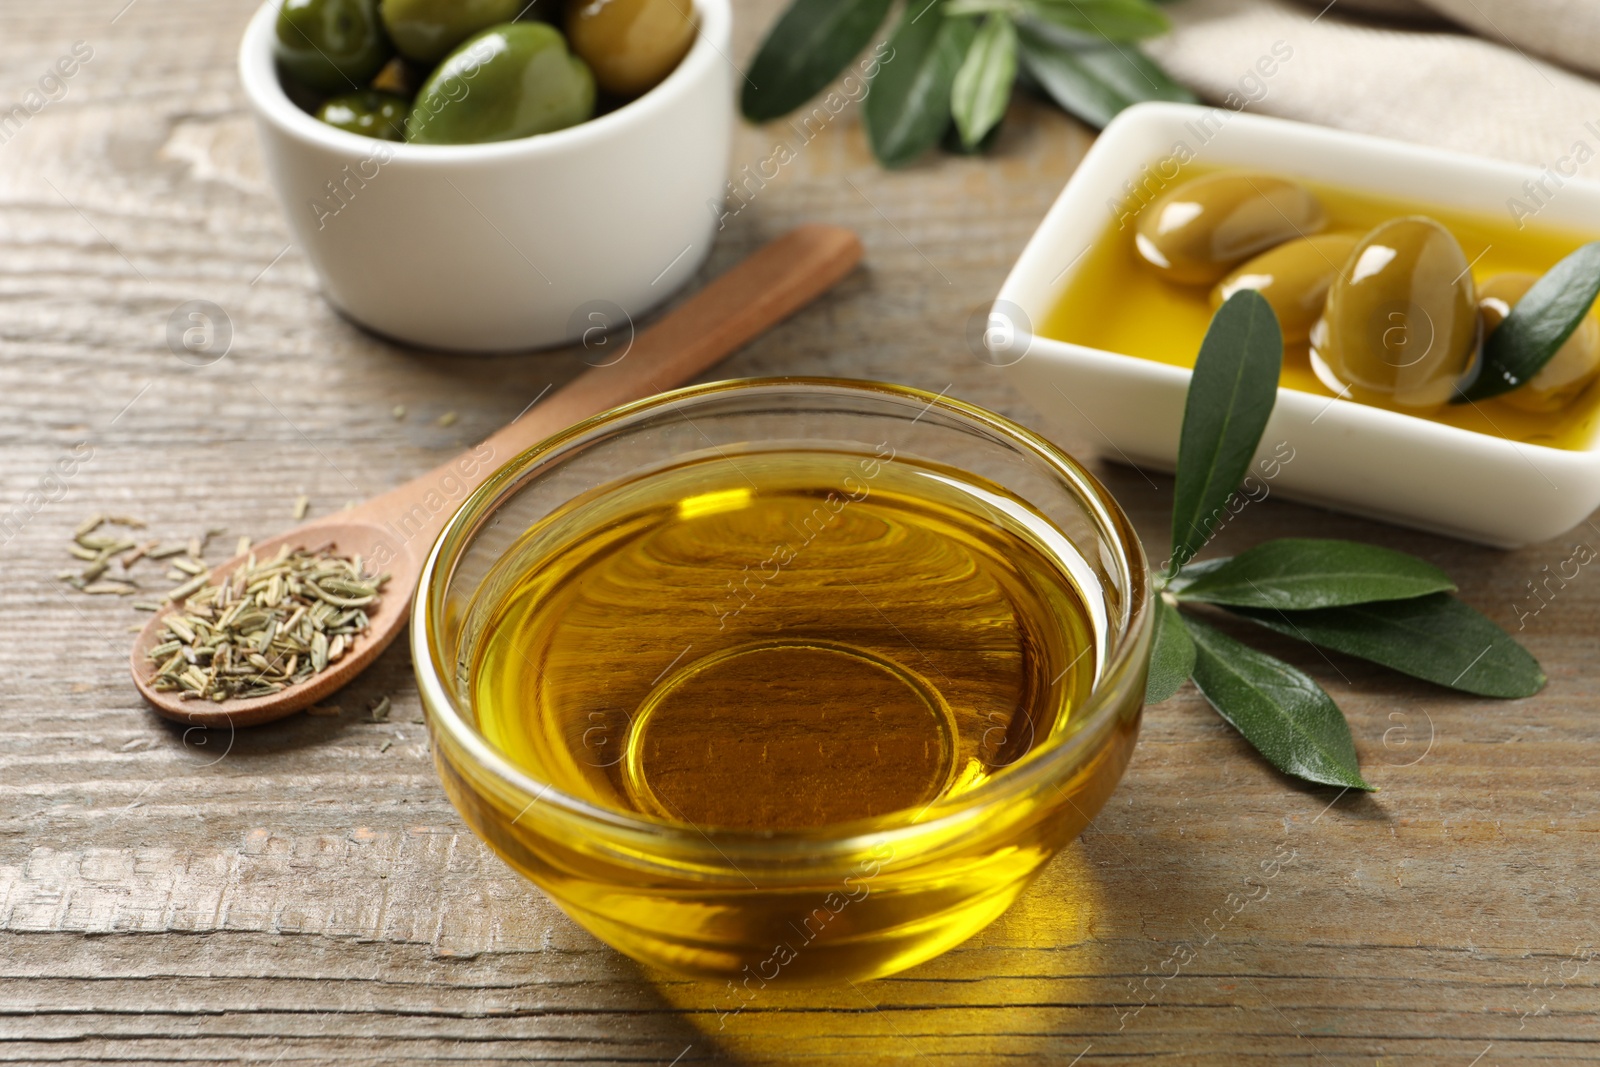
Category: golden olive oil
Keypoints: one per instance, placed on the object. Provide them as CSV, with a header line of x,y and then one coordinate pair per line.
x,y
1116,303
781,640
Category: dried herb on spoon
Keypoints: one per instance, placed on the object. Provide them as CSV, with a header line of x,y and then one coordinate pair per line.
x,y
268,625
1362,600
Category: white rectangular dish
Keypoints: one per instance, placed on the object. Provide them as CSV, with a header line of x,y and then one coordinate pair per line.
x,y
1367,460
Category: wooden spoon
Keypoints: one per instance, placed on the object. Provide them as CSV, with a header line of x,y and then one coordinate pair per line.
x,y
397,529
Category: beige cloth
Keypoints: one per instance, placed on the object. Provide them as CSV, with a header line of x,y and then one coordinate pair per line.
x,y
1431,81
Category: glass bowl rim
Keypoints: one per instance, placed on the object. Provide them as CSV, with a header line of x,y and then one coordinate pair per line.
x,y
1051,762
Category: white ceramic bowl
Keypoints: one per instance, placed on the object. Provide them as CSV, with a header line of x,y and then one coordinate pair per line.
x,y
514,244
1349,456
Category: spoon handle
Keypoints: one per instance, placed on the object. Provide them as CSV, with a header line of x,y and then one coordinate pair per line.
x,y
762,290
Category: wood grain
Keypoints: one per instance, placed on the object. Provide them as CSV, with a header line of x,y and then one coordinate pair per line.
x,y
302,893
394,530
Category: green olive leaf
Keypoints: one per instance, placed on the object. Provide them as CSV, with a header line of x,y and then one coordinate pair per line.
x,y
951,142
1436,638
1191,573
1231,393
983,7
1095,81
1537,327
982,87
1171,654
1280,710
807,48
1296,573
909,105
1077,22
1110,20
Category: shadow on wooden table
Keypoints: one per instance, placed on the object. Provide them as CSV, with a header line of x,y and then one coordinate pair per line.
x,y
1029,987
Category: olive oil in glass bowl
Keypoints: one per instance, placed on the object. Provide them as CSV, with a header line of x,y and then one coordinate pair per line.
x,y
800,680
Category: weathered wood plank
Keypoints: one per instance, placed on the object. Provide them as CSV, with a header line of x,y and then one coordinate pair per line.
x,y
304,893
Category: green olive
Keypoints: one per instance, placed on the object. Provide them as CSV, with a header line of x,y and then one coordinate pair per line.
x,y
428,29
333,46
371,114
1294,277
512,80
1401,322
1574,365
1195,233
630,44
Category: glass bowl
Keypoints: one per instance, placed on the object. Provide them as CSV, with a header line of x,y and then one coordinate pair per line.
x,y
801,904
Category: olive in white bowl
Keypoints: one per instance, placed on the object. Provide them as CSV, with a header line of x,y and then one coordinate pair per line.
x,y
509,244
475,71
1361,458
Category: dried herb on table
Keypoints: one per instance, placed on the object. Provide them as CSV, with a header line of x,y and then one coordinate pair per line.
x,y
99,549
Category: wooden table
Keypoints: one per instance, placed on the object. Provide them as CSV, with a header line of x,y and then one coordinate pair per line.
x,y
303,892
